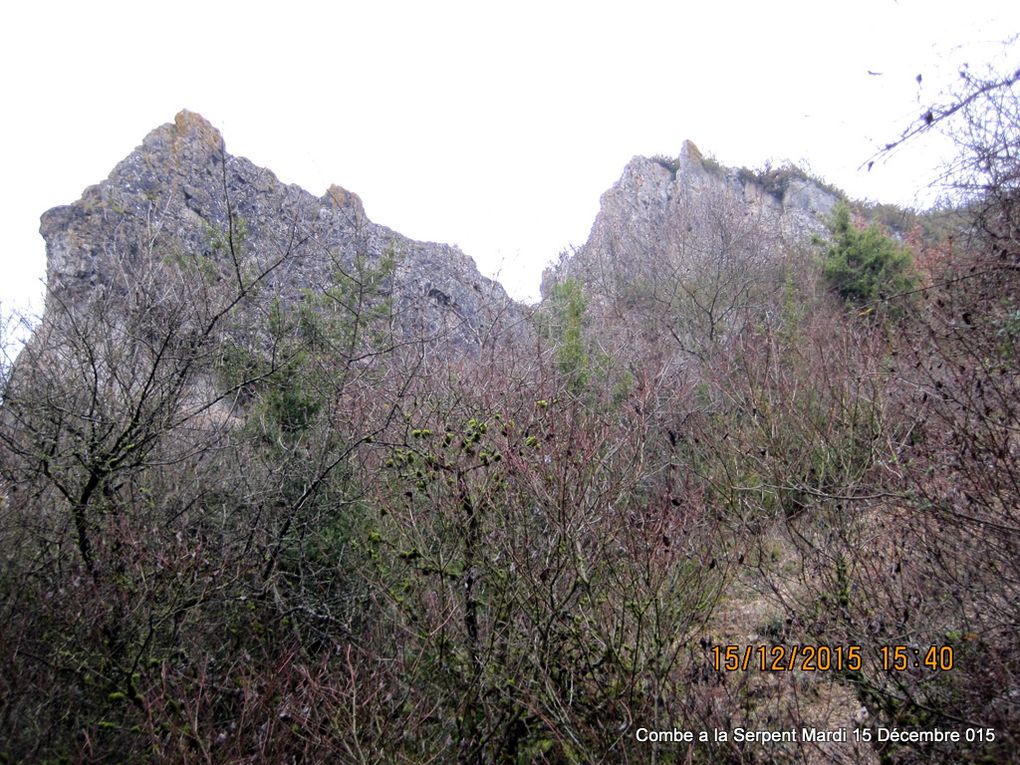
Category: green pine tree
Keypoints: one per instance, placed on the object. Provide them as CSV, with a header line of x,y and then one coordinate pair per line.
x,y
864,266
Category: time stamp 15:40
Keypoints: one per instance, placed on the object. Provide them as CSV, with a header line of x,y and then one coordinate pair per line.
x,y
825,658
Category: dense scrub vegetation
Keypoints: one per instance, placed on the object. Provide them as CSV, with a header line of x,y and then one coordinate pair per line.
x,y
237,530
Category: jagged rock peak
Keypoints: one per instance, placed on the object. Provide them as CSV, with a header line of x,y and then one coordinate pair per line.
x,y
342,199
179,190
656,200
192,127
190,141
689,152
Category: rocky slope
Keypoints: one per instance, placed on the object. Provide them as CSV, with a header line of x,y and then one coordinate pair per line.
x,y
181,195
677,211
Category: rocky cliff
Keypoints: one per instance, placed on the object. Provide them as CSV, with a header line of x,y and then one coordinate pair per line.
x,y
181,195
677,212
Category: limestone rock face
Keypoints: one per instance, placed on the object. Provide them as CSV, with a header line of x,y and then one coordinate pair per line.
x,y
808,197
180,194
658,213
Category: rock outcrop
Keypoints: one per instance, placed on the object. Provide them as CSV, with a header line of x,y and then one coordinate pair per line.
x,y
660,209
180,194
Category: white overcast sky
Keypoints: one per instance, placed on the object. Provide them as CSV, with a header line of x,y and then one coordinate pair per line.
x,y
495,127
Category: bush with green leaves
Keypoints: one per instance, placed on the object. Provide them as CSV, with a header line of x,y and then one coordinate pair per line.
x,y
863,266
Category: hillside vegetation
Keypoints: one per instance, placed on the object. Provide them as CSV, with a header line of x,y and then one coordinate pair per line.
x,y
241,524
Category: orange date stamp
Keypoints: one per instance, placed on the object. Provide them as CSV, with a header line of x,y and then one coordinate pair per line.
x,y
829,658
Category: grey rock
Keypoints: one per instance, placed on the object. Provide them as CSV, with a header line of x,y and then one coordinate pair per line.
x,y
180,192
808,197
644,218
